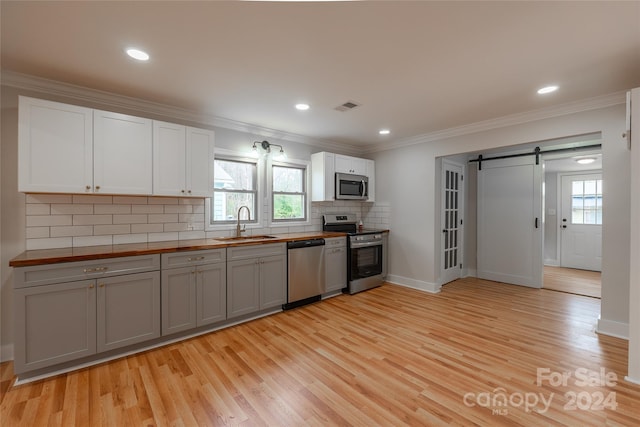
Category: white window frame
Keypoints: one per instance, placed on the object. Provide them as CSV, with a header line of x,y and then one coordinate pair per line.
x,y
256,217
292,163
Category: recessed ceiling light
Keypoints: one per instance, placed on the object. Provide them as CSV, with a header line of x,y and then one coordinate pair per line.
x,y
547,89
302,107
384,131
138,54
586,160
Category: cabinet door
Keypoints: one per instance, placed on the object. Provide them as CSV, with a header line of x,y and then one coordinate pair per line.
x,y
55,147
128,310
348,164
54,324
335,268
273,281
211,293
178,299
169,163
243,287
371,174
199,157
323,177
123,154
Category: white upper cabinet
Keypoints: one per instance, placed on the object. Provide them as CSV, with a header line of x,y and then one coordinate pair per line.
x,y
324,167
182,160
123,150
199,157
348,164
55,149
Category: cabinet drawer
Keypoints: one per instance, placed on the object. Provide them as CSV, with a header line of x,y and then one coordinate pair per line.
x,y
81,270
256,251
186,258
335,242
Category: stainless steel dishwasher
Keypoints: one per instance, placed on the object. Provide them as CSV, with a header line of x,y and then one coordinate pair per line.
x,y
305,272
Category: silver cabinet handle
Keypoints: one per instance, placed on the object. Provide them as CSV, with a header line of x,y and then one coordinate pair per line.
x,y
198,258
95,269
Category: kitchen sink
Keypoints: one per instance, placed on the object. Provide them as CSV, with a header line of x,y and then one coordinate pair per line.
x,y
258,237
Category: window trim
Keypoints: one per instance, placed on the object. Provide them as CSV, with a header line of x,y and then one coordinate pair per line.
x,y
290,163
256,217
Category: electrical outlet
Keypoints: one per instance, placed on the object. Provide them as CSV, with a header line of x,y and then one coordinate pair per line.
x,y
189,227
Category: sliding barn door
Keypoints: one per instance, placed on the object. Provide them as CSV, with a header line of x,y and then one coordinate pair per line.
x,y
509,247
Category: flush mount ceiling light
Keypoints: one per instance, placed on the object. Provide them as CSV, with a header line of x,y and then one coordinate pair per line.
x,y
302,107
384,131
547,89
586,160
138,54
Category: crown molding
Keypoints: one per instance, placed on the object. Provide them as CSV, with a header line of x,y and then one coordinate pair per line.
x,y
588,104
119,102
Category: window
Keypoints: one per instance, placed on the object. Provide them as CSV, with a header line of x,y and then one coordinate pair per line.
x,y
234,185
289,193
586,202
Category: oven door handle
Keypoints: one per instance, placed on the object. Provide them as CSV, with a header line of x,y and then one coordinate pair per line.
x,y
365,244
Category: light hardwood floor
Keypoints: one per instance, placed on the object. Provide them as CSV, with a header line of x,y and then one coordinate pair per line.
x,y
573,281
390,356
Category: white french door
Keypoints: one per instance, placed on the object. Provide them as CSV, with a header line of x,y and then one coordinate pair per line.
x,y
510,230
452,198
581,221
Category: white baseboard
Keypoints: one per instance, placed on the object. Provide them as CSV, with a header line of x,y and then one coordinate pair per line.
x,y
6,352
552,262
632,380
433,288
470,272
612,328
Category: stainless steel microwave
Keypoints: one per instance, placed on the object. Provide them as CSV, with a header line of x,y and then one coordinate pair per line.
x,y
351,187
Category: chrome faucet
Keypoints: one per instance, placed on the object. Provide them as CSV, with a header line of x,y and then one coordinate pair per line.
x,y
239,230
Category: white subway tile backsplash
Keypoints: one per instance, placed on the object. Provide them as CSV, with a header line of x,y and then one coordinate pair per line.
x,y
130,219
37,232
71,231
60,242
121,239
92,241
162,218
130,200
175,226
179,209
100,230
56,221
147,209
67,208
93,199
187,235
163,201
92,219
38,209
161,237
147,228
112,209
48,198
48,220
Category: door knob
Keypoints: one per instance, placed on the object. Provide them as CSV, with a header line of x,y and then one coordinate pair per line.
x,y
564,226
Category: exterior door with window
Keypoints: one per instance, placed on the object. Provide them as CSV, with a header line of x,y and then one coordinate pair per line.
x,y
452,197
581,221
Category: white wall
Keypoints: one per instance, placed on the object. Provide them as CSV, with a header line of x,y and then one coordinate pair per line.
x,y
406,179
551,256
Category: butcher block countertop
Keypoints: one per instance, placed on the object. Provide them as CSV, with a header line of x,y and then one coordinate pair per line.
x,y
53,256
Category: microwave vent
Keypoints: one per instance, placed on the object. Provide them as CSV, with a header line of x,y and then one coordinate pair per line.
x,y
349,105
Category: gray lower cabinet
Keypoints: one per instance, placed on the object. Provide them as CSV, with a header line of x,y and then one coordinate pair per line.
x,y
128,310
58,320
256,278
194,286
335,258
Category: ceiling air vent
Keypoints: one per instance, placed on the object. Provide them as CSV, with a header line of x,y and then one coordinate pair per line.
x,y
349,105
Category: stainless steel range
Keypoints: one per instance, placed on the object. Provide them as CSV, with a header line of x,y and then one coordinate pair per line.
x,y
366,254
